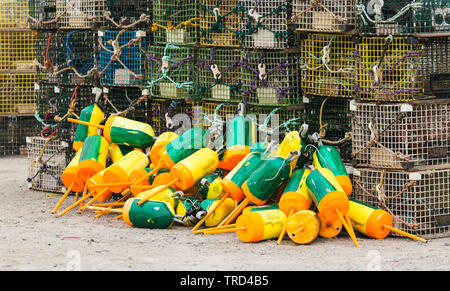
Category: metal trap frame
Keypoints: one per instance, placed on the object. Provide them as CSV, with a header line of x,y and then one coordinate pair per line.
x,y
17,51
331,119
13,133
328,65
17,94
437,66
47,160
14,14
389,69
172,72
171,115
324,15
408,136
271,78
427,18
219,23
219,74
130,14
122,57
419,201
175,22
42,14
80,14
46,56
264,24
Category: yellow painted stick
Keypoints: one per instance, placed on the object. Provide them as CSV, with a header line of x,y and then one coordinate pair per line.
x,y
146,176
225,230
143,200
94,198
344,222
210,212
75,204
85,123
215,228
409,235
84,194
63,198
283,231
105,209
236,212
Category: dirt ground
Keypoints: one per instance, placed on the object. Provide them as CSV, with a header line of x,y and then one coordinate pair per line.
x,y
31,238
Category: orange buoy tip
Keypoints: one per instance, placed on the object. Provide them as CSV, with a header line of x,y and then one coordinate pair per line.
x,y
345,183
376,223
331,202
303,227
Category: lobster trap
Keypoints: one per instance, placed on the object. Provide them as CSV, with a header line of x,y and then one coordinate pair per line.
x,y
219,23
42,14
208,113
17,94
14,14
389,69
437,66
271,78
130,14
419,201
122,57
13,133
172,72
171,115
406,136
175,22
404,17
331,119
264,24
17,51
47,160
324,15
328,65
46,57
80,14
75,57
219,74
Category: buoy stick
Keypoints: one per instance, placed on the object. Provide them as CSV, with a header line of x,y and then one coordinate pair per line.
x,y
85,123
214,228
63,198
84,194
111,207
109,204
110,185
238,210
74,205
283,231
143,200
349,223
411,236
104,209
118,216
344,222
76,196
146,176
225,230
94,198
224,197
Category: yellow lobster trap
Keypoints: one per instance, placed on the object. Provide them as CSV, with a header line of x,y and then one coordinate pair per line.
x,y
328,65
17,95
17,52
324,15
419,202
205,114
14,14
219,23
389,69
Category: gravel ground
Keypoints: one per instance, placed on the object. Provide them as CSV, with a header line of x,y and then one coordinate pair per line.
x,y
34,239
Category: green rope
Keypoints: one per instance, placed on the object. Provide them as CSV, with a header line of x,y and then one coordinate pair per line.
x,y
378,18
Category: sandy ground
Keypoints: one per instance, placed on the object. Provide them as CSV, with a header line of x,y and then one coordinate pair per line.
x,y
31,238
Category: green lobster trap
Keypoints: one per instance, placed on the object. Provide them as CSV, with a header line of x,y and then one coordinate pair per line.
x,y
330,118
418,201
17,52
219,23
406,136
17,94
80,14
271,77
175,22
122,57
264,24
219,74
324,15
42,14
389,69
14,14
47,160
437,66
328,65
404,17
46,56
171,72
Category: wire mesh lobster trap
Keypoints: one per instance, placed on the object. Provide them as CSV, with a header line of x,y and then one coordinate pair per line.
x,y
130,14
271,77
14,14
42,14
331,119
413,135
46,57
175,22
122,57
328,65
17,94
172,72
437,66
264,24
404,17
219,74
80,14
75,58
219,23
419,201
205,114
47,160
171,115
324,15
17,51
389,69
13,133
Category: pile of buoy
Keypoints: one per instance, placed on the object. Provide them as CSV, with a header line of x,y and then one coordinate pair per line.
x,y
258,190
